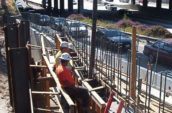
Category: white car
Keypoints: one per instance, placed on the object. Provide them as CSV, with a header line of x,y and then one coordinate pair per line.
x,y
111,7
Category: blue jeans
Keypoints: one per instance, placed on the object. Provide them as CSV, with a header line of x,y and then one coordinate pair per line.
x,y
80,93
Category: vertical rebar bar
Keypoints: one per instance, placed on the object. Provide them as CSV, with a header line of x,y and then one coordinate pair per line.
x,y
160,93
92,56
164,91
150,87
147,80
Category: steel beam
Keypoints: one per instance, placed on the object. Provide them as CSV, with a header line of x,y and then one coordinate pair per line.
x,y
44,4
11,36
158,4
56,5
49,5
11,40
24,33
145,3
80,5
70,6
61,6
170,4
20,73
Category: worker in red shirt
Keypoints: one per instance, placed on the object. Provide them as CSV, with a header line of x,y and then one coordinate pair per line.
x,y
68,83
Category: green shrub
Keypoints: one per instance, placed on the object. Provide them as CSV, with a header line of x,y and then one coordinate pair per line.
x,y
76,17
158,31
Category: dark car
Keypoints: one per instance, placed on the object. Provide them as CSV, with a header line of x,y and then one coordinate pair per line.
x,y
114,37
57,23
35,17
76,29
160,50
44,20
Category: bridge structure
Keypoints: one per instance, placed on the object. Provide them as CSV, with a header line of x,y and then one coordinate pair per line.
x,y
59,4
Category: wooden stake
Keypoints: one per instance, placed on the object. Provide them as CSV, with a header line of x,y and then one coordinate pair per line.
x,y
133,66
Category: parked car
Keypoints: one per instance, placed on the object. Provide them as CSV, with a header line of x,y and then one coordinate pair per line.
x,y
76,29
57,23
44,20
35,17
111,7
162,50
114,37
125,1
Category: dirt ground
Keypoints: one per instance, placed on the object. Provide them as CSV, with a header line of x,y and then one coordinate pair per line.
x,y
4,92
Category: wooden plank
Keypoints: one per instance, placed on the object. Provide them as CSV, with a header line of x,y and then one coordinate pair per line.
x,y
97,88
45,84
45,87
45,93
43,44
47,110
57,99
66,96
133,66
97,99
31,100
38,66
80,68
45,78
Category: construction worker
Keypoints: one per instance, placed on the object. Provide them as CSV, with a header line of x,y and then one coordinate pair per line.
x,y
63,48
67,82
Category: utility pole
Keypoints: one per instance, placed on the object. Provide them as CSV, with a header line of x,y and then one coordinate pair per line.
x,y
92,57
133,66
49,5
44,4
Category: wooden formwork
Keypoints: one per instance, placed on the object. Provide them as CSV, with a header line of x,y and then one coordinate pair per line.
x,y
95,108
58,41
97,104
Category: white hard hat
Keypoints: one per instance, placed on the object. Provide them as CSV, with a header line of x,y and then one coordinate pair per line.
x,y
64,44
70,46
65,56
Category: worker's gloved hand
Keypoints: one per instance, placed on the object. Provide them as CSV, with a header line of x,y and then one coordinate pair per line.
x,y
79,81
54,68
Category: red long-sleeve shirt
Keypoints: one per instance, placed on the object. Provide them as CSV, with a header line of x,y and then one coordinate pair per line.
x,y
65,76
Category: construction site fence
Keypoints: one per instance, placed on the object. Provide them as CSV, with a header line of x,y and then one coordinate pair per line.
x,y
110,68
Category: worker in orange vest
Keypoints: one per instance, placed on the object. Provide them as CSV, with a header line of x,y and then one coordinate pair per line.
x,y
67,82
